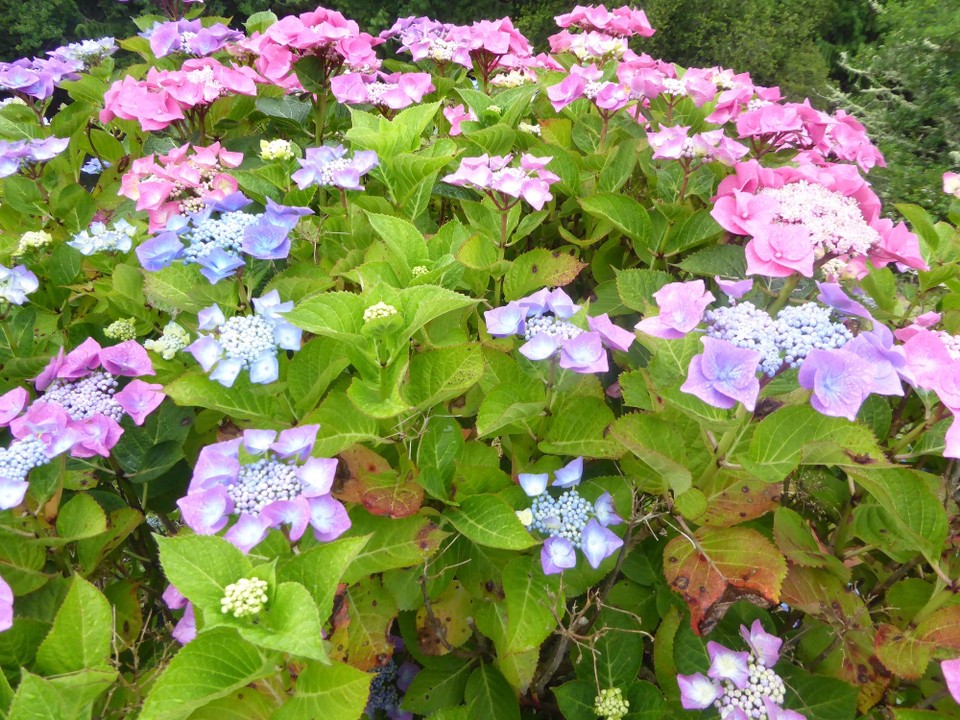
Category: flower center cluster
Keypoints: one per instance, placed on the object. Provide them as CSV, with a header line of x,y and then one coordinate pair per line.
x,y
787,339
21,457
224,232
173,340
834,221
88,396
763,682
376,91
551,325
263,482
247,337
380,310
563,517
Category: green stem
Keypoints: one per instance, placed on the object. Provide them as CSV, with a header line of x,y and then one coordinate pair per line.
x,y
789,285
728,443
320,117
905,441
501,255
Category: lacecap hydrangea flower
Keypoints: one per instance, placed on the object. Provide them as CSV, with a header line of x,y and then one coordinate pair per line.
x,y
264,480
98,238
506,184
740,685
16,154
217,236
245,342
328,166
543,319
569,521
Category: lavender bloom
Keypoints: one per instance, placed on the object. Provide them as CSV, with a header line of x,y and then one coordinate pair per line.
x,y
764,646
558,554
697,692
598,543
16,462
734,289
328,166
190,37
85,52
740,684
16,283
533,484
840,380
272,489
570,474
37,77
12,404
245,341
13,155
724,375
393,91
681,309
542,319
605,512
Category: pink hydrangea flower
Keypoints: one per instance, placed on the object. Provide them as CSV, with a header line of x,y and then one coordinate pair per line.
x,y
681,309
505,183
387,92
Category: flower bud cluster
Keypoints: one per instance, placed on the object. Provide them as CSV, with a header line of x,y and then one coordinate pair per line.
x,y
378,311
788,338
244,598
86,397
173,340
20,458
224,232
419,270
123,329
100,238
276,150
553,326
33,239
529,128
610,704
563,517
763,684
263,482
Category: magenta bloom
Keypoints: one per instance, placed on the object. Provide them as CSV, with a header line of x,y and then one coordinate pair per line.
x,y
12,404
622,21
681,309
393,91
6,606
840,381
779,251
951,673
139,399
724,375
279,485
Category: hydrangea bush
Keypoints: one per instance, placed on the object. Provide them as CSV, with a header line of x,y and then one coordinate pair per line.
x,y
432,375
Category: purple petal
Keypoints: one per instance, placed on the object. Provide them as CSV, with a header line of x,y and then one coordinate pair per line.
x,y
139,399
725,664
613,336
533,484
12,404
128,359
248,531
295,513
605,512
257,442
557,555
764,645
328,517
569,475
598,543
12,492
206,351
206,512
296,441
186,628
951,673
317,475
539,347
697,692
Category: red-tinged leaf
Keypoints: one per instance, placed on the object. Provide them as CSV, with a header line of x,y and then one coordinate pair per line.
x,y
733,499
907,652
389,496
725,565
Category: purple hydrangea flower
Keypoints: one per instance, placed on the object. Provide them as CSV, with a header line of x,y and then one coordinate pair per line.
x,y
951,673
504,183
274,487
329,166
598,543
558,554
681,310
840,380
245,341
764,646
734,289
724,375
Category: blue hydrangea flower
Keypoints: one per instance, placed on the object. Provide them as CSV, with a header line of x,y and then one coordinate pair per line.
x,y
245,342
16,283
570,521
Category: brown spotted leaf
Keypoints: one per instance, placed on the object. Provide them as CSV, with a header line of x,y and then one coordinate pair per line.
x,y
733,499
366,478
726,563
448,625
362,638
537,269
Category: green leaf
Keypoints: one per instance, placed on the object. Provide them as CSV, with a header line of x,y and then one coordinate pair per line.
x,y
694,230
636,287
489,695
626,215
331,692
537,269
489,521
201,566
337,315
342,424
394,542
81,634
80,517
405,242
37,699
422,303
213,665
320,568
243,401
150,450
798,434
290,624
182,287
619,650
817,697
579,427
915,511
439,685
509,407
724,260
443,374
441,447
528,595
313,367
658,444
577,699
